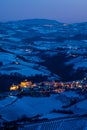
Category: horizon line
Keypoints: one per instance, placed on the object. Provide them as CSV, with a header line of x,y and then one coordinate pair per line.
x,y
7,21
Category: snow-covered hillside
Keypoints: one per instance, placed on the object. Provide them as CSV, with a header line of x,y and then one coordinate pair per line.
x,y
13,108
47,111
29,49
29,106
42,50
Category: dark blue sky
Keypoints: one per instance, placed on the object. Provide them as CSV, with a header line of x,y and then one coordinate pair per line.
x,y
61,10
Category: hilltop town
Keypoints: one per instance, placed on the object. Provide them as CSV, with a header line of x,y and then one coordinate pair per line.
x,y
48,87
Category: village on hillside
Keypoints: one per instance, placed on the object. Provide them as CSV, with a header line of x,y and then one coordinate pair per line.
x,y
48,87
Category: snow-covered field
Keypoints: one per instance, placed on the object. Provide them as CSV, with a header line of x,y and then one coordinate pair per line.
x,y
22,44
13,108
29,106
55,50
64,124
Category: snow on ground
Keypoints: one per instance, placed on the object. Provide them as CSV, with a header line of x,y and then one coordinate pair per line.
x,y
11,64
12,108
41,45
54,115
70,94
63,124
7,58
30,106
44,30
20,45
23,70
6,101
14,39
82,105
78,62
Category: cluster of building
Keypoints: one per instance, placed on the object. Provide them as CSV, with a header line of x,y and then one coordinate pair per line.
x,y
49,87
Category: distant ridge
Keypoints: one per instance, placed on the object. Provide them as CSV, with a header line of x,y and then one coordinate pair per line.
x,y
36,21
42,21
